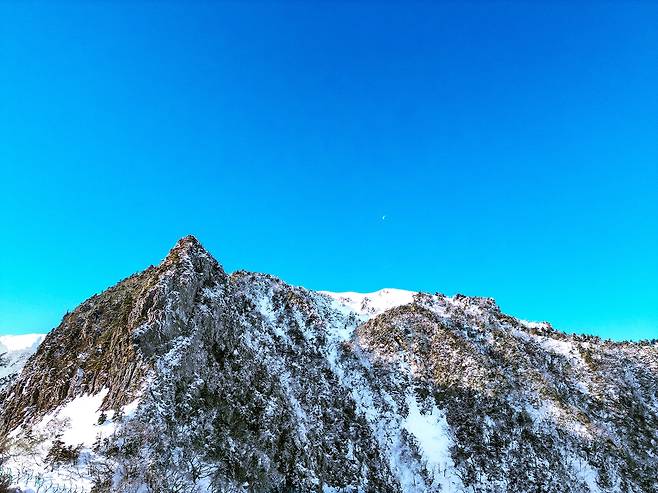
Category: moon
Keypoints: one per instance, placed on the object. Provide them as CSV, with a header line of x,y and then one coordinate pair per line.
x,y
384,217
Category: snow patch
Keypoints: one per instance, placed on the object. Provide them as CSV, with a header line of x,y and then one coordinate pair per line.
x,y
432,434
75,423
533,325
369,305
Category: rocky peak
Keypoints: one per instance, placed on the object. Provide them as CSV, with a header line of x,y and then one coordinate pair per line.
x,y
187,245
189,252
109,341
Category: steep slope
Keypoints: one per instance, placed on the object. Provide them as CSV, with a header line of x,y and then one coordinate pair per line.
x,y
531,409
184,378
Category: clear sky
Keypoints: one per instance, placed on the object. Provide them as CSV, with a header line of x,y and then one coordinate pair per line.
x,y
495,148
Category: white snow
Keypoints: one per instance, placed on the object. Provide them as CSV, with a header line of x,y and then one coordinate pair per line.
x,y
534,325
564,348
76,424
585,472
432,434
16,350
369,305
20,342
81,414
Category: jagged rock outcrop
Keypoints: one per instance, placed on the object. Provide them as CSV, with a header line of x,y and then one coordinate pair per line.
x,y
215,382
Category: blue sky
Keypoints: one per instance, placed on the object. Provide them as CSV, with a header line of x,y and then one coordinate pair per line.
x,y
512,147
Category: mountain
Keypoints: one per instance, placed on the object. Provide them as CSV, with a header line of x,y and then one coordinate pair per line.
x,y
14,353
186,378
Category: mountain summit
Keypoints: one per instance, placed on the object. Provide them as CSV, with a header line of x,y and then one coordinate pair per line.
x,y
185,378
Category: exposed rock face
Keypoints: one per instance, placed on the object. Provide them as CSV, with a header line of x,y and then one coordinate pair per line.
x,y
245,383
90,350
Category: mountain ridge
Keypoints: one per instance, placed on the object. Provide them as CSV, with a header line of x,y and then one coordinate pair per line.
x,y
234,379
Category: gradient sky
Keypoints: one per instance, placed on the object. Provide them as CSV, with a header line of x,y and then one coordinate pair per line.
x,y
511,147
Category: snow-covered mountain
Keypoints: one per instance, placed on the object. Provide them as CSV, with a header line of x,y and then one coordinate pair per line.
x,y
186,378
14,353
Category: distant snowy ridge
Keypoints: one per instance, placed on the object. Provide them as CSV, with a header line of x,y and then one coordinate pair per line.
x,y
15,350
10,343
368,305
